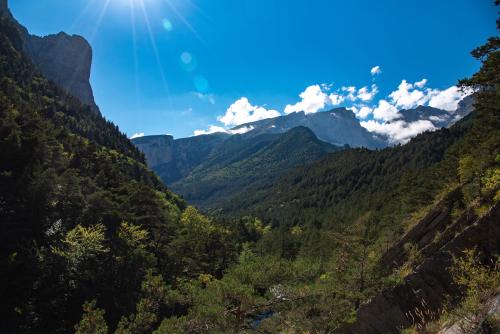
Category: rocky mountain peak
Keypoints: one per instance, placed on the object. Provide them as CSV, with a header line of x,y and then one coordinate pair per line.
x,y
62,58
67,61
337,126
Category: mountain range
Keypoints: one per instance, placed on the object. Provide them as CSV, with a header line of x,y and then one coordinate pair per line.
x,y
338,127
209,168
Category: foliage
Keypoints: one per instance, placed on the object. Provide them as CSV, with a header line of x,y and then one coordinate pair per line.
x,y
92,321
153,295
81,244
478,311
82,217
482,284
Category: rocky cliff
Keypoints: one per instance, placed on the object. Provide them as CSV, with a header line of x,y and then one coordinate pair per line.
x,y
157,149
423,293
62,58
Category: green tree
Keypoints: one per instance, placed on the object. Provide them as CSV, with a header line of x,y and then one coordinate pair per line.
x,y
153,295
93,321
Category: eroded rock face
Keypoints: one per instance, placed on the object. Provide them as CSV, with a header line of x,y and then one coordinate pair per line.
x,y
66,60
62,58
424,292
157,149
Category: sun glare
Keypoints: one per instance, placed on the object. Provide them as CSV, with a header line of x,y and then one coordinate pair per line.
x,y
151,14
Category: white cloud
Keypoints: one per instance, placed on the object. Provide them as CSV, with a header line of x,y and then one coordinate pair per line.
x,y
382,116
407,96
137,135
210,98
361,111
438,119
386,115
447,99
350,90
241,112
218,129
365,94
385,111
376,70
421,83
241,130
399,131
211,129
336,99
326,87
364,112
313,100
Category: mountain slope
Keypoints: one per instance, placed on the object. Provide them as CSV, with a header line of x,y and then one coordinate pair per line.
x,y
205,169
83,220
177,160
249,162
345,183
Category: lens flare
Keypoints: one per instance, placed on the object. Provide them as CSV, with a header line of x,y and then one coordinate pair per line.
x,y
167,25
201,84
188,62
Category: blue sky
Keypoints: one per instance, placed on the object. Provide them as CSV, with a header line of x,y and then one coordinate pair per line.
x,y
195,58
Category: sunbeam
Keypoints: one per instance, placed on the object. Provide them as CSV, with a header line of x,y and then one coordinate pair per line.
x,y
82,14
183,19
155,50
99,20
134,46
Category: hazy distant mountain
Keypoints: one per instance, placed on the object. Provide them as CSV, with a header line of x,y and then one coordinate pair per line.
x,y
440,118
338,127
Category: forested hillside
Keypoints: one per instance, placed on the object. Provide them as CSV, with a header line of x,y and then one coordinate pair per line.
x,y
241,163
208,169
372,241
82,217
393,182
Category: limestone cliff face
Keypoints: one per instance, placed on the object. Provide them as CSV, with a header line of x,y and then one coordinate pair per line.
x,y
66,60
424,292
157,149
62,58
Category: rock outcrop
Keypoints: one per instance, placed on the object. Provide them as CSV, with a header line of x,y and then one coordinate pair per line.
x,y
157,149
174,159
66,60
424,292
